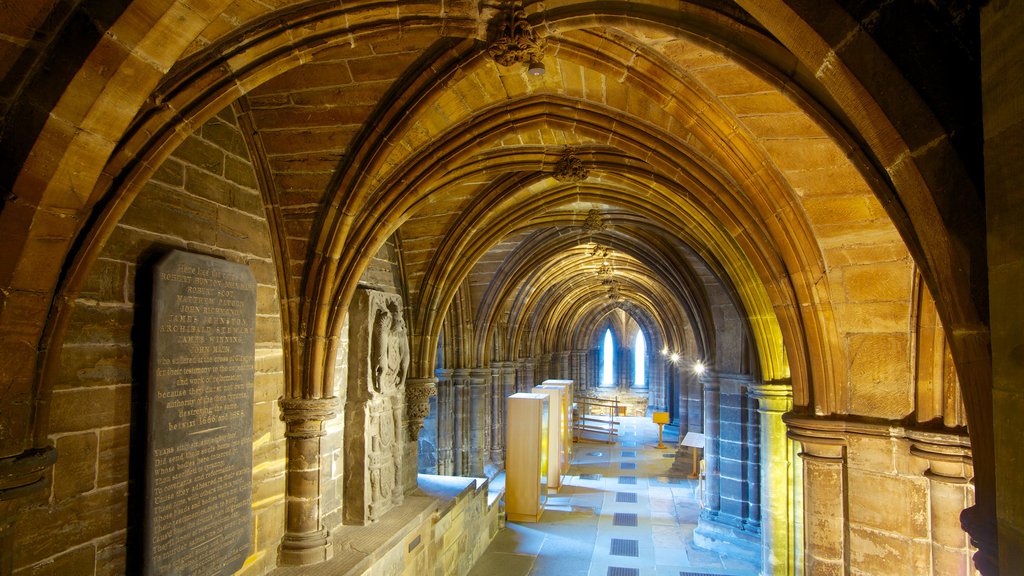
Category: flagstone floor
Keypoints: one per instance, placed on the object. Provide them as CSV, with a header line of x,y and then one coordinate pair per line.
x,y
619,513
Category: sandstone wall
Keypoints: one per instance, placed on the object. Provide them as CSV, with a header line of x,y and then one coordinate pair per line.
x,y
204,199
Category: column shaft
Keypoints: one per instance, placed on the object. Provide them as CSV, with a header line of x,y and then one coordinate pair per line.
x,y
774,400
305,540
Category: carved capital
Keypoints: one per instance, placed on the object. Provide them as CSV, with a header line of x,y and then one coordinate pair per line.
x,y
305,416
570,168
517,41
23,474
417,403
948,455
772,397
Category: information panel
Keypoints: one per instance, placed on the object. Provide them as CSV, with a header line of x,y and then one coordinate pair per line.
x,y
199,462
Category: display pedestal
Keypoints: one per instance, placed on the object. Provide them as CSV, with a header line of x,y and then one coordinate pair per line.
x,y
526,456
568,404
556,434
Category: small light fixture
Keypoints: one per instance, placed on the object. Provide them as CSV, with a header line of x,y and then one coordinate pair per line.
x,y
674,357
535,68
699,368
664,351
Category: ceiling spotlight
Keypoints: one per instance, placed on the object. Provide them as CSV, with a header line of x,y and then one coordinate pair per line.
x,y
535,68
674,357
699,368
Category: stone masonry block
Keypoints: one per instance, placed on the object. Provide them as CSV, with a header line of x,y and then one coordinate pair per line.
x,y
88,408
202,154
69,524
886,282
225,135
240,172
893,504
874,552
880,383
75,470
98,325
106,281
112,464
81,560
84,365
871,454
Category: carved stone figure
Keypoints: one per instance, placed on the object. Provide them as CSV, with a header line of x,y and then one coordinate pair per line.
x,y
378,366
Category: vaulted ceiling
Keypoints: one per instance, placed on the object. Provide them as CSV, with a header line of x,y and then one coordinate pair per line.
x,y
730,166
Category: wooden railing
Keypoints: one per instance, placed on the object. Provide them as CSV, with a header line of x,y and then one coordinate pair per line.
x,y
596,416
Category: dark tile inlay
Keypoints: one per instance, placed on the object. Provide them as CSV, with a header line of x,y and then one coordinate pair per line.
x,y
627,479
627,466
624,547
624,519
628,454
620,571
627,497
668,455
595,453
590,476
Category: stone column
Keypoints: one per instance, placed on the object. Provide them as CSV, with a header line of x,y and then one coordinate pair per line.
x,y
774,400
712,465
528,380
824,499
564,369
509,369
579,372
480,425
949,471
461,421
497,396
305,540
445,422
22,479
752,434
623,368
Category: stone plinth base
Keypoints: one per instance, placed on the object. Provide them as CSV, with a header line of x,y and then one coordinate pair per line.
x,y
443,527
728,540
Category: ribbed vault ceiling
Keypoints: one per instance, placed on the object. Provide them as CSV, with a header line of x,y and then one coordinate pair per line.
x,y
708,174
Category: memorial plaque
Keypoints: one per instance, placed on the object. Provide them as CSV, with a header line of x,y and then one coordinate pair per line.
x,y
199,462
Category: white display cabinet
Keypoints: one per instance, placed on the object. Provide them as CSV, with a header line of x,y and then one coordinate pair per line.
x,y
526,455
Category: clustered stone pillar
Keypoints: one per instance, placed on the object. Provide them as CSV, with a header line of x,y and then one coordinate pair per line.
x,y
479,411
445,423
774,400
949,472
528,380
579,371
711,459
752,458
497,395
824,498
305,540
461,421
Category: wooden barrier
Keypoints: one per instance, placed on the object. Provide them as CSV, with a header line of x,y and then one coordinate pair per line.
x,y
588,418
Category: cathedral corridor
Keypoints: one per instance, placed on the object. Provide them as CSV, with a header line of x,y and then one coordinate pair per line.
x,y
273,271
623,510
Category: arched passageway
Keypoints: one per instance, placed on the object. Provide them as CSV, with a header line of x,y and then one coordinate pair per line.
x,y
769,189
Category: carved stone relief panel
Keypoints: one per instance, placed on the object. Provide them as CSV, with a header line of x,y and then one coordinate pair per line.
x,y
375,406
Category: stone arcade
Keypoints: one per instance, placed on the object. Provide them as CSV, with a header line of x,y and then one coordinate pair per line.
x,y
445,203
